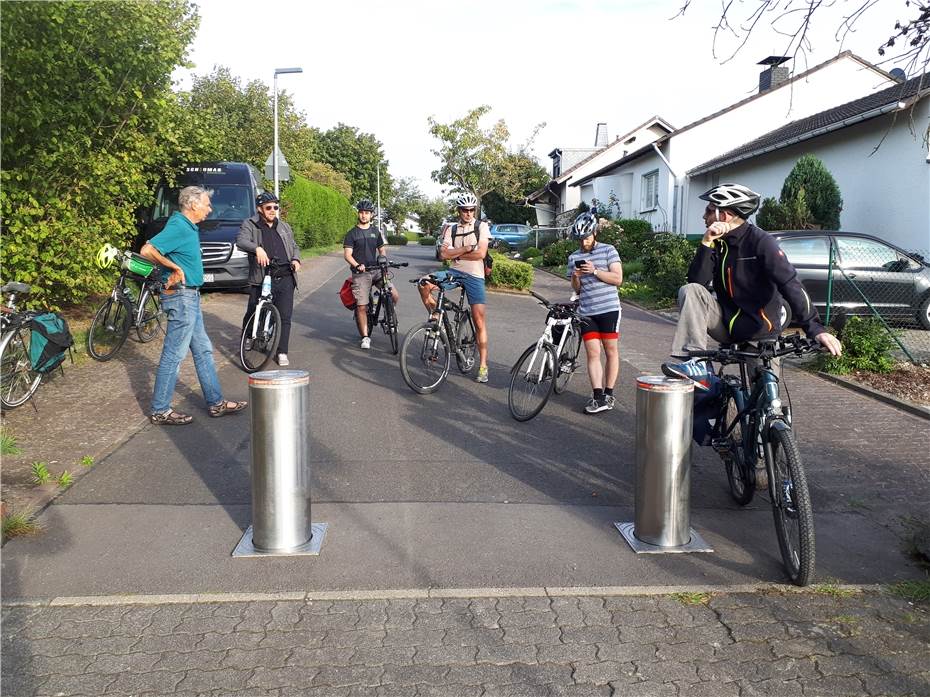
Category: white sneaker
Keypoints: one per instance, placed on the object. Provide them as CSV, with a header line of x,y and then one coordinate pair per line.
x,y
282,360
366,342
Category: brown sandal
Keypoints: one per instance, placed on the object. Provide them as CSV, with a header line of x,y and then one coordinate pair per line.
x,y
171,418
224,408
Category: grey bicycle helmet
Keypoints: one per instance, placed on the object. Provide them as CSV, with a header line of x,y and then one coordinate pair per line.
x,y
584,226
466,200
741,199
365,205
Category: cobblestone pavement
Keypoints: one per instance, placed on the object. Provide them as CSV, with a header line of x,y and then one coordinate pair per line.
x,y
825,643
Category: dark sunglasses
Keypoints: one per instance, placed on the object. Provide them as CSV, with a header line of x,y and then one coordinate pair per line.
x,y
271,207
467,210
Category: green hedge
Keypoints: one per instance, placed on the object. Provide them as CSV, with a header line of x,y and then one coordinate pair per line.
x,y
530,252
319,215
556,254
427,241
397,239
507,273
666,258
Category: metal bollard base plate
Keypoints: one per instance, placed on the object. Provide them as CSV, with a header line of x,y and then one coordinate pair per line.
x,y
245,548
695,544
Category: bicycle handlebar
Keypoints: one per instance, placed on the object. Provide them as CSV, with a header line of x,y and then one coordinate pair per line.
x,y
782,346
447,283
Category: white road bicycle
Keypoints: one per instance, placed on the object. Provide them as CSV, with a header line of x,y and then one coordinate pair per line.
x,y
262,331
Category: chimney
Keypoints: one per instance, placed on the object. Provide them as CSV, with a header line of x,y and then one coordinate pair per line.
x,y
774,74
600,138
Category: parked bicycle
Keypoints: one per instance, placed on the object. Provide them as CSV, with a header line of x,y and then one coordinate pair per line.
x,y
262,332
18,379
133,304
381,309
752,423
426,354
548,365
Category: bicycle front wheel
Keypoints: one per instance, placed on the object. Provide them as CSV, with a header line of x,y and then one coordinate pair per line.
x,y
151,318
791,504
467,354
18,381
390,322
532,380
568,360
425,358
109,329
741,474
259,339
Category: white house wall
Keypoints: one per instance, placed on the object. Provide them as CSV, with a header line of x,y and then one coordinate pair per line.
x,y
886,194
661,216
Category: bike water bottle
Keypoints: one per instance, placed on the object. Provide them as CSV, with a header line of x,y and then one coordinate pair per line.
x,y
375,294
266,285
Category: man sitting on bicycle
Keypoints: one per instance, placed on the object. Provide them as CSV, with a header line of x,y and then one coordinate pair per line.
x,y
466,250
750,276
595,271
362,246
266,238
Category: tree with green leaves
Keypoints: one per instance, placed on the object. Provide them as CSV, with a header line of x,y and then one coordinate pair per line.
x,y
403,201
432,213
356,155
810,198
89,123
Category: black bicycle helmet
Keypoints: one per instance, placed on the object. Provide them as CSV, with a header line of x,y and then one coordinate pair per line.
x,y
265,197
365,205
741,199
584,226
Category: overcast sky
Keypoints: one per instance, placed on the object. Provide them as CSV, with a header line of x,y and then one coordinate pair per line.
x,y
385,67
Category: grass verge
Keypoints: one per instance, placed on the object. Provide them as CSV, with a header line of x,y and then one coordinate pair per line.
x,y
19,523
915,591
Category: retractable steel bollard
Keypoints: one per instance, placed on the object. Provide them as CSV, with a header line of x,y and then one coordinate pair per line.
x,y
662,519
281,522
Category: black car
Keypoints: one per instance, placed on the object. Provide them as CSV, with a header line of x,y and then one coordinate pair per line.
x,y
866,271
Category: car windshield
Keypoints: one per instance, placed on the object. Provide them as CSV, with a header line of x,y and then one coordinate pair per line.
x,y
229,202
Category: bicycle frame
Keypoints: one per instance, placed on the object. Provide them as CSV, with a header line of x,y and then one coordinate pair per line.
x,y
546,339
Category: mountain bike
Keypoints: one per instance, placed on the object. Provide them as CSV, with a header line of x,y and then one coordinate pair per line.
x,y
262,331
128,308
381,302
426,354
548,365
752,423
18,381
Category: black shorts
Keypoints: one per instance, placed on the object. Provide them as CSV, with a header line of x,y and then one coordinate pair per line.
x,y
603,326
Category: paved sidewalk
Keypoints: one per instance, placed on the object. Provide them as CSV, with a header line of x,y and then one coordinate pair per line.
x,y
739,645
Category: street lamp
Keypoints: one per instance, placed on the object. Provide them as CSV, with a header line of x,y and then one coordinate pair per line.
x,y
274,154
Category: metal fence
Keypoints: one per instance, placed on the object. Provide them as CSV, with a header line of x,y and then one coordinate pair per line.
x,y
867,278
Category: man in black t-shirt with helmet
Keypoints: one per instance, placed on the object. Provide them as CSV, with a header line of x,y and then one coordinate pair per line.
x,y
362,246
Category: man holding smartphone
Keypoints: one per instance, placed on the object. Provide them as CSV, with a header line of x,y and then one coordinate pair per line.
x,y
595,271
750,277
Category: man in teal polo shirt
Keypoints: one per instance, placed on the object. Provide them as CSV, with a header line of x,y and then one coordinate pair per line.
x,y
177,250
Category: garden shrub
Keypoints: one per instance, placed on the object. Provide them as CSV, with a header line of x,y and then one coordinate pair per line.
x,y
867,345
397,239
318,215
666,258
557,254
427,241
627,235
530,252
510,274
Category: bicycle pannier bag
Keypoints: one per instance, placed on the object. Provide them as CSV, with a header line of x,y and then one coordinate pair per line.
x,y
488,259
51,339
345,295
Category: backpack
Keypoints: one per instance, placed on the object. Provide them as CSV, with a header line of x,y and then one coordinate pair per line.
x,y
345,295
488,259
51,339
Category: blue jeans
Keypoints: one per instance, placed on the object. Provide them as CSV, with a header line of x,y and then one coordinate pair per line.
x,y
185,331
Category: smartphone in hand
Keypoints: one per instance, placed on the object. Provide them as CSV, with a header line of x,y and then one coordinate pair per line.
x,y
579,263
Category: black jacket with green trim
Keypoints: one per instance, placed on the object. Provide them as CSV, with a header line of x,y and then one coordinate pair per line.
x,y
750,275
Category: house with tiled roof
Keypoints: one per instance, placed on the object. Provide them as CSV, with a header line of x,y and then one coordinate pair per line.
x,y
570,163
875,147
654,178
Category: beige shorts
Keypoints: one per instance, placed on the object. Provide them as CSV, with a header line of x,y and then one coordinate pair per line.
x,y
361,285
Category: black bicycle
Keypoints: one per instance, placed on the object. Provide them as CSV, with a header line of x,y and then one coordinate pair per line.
x,y
546,366
381,308
426,354
18,380
262,331
133,304
752,423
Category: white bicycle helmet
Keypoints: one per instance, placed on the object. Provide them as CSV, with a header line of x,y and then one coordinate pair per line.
x,y
584,226
106,255
736,197
466,200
